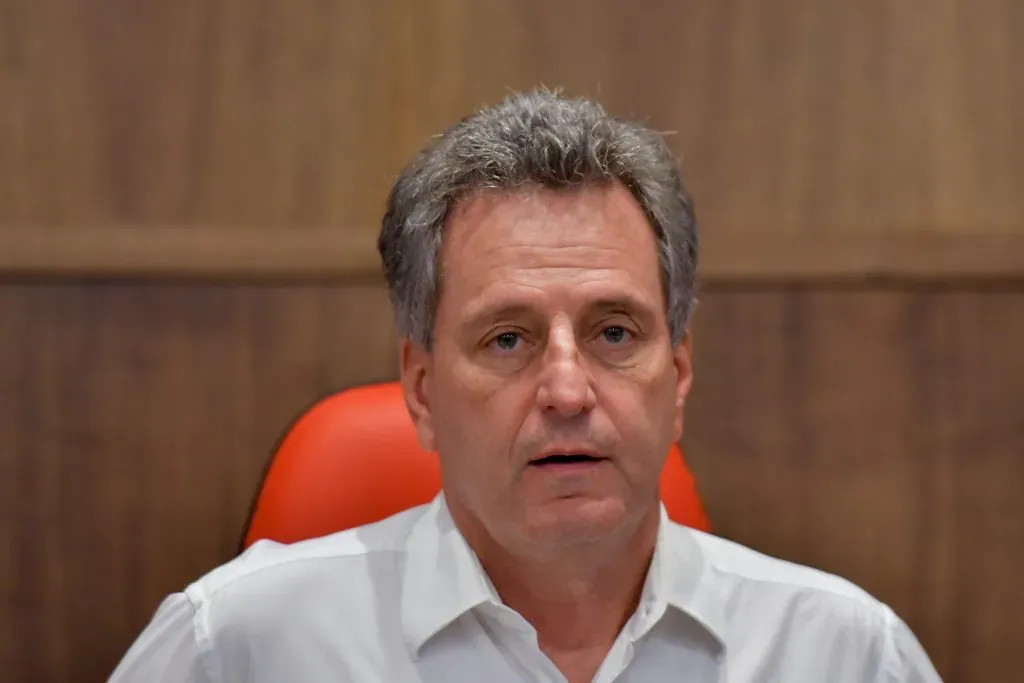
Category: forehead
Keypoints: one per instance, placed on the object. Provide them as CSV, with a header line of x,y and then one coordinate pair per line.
x,y
539,242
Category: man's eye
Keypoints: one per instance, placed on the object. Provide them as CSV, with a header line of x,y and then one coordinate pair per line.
x,y
615,334
506,341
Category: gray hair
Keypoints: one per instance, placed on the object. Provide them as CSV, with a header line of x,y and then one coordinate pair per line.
x,y
536,139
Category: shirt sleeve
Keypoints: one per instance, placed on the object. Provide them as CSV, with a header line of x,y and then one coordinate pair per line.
x,y
168,650
906,661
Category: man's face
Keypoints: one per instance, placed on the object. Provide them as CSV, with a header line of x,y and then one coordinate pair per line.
x,y
552,392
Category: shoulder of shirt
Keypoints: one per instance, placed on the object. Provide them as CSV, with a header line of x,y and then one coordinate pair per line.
x,y
352,547
730,561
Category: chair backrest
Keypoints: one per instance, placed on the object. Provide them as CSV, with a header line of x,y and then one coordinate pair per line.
x,y
353,458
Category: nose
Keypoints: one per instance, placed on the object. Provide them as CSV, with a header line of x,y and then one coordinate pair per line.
x,y
565,386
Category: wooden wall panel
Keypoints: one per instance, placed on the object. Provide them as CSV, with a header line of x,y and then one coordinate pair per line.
x,y
136,422
876,434
880,435
796,117
194,112
871,431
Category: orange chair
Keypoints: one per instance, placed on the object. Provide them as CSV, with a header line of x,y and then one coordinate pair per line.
x,y
353,459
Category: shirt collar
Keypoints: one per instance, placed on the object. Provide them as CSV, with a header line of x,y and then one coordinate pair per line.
x,y
681,578
443,579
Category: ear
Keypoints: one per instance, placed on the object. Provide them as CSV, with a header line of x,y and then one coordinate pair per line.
x,y
683,362
415,366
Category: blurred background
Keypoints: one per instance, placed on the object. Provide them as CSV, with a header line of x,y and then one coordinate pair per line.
x,y
190,192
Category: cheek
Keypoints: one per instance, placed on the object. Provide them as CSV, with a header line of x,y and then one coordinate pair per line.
x,y
476,421
644,410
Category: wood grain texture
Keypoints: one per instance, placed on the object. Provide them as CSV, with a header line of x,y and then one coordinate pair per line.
x,y
194,112
879,435
873,433
792,116
137,421
795,117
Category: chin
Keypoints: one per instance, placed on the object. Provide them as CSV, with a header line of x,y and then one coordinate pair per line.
x,y
583,520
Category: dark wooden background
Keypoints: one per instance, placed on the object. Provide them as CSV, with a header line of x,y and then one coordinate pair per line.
x,y
189,194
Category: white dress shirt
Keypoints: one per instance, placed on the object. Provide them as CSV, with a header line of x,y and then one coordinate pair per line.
x,y
406,600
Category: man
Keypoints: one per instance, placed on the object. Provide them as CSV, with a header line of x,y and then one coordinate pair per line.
x,y
541,261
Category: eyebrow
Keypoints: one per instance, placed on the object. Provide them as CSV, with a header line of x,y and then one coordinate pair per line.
x,y
478,315
625,302
494,311
640,310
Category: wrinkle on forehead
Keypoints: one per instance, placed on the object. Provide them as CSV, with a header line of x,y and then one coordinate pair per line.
x,y
550,224
567,214
594,241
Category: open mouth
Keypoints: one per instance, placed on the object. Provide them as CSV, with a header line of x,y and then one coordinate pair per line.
x,y
566,459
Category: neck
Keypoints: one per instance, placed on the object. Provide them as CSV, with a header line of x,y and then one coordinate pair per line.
x,y
578,599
